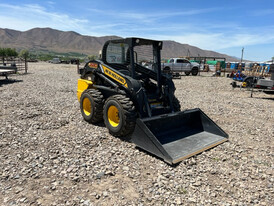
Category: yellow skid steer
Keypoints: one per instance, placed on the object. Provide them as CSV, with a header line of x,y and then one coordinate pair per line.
x,y
128,91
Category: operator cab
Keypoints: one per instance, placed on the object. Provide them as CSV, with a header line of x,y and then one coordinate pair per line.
x,y
131,54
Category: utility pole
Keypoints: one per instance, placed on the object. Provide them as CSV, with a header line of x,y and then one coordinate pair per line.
x,y
242,54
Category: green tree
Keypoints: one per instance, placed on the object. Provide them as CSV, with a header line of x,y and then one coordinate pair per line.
x,y
24,54
92,57
7,52
2,54
11,52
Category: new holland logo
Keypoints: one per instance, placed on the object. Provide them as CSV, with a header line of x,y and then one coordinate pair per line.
x,y
114,75
93,65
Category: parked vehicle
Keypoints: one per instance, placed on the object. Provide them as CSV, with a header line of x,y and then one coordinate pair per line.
x,y
176,66
55,61
7,70
258,83
74,61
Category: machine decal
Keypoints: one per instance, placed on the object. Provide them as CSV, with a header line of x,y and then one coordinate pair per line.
x,y
114,75
93,65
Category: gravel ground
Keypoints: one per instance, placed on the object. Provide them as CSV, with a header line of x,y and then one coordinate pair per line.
x,y
50,156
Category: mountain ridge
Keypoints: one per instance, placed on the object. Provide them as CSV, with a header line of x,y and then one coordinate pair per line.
x,y
48,39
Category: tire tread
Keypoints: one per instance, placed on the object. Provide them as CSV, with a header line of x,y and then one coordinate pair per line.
x,y
129,116
98,99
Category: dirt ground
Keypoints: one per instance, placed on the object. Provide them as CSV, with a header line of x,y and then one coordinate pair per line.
x,y
51,156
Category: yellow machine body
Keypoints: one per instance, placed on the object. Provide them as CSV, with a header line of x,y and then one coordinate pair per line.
x,y
82,85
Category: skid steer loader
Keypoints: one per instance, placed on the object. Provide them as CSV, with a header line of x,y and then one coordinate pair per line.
x,y
127,90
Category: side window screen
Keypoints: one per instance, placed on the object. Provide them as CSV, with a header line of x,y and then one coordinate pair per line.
x,y
116,53
180,61
171,61
185,61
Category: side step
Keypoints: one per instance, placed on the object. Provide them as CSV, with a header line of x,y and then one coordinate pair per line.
x,y
177,136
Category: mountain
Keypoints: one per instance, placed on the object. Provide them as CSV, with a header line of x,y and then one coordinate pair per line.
x,y
47,39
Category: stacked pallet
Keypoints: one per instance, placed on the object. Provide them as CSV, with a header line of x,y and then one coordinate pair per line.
x,y
257,70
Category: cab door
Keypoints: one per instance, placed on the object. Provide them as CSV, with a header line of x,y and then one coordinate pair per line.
x,y
186,65
171,63
180,65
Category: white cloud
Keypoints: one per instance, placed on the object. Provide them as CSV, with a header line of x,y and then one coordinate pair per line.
x,y
148,17
28,16
51,2
211,36
217,41
261,12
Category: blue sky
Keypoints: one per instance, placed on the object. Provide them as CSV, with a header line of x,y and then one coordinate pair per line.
x,y
220,25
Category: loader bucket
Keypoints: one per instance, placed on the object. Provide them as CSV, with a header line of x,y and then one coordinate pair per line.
x,y
177,136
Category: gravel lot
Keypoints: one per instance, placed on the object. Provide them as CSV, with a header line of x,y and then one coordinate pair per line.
x,y
50,156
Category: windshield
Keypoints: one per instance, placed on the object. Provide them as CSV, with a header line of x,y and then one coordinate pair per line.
x,y
116,53
144,56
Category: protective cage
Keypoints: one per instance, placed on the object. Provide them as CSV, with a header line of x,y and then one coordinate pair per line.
x,y
144,56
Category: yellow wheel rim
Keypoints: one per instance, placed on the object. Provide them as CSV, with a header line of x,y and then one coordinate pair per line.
x,y
113,116
86,106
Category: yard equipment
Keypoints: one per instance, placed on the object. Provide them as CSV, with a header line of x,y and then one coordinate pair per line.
x,y
239,76
138,102
265,85
7,70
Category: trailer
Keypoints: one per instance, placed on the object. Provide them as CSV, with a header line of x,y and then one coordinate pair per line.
x,y
7,70
265,85
255,83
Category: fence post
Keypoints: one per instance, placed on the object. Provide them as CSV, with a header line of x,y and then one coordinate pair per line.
x,y
78,64
26,66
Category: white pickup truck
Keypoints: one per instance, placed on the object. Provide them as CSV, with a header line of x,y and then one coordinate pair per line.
x,y
175,66
55,61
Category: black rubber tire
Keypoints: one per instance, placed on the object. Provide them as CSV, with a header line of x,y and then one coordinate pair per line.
x,y
176,104
194,71
249,82
187,73
127,115
234,84
96,102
